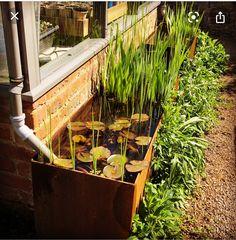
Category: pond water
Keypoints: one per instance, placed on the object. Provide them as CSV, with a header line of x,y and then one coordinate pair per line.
x,y
103,122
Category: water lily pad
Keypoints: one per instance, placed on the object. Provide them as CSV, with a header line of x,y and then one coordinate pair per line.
x,y
122,121
143,140
139,117
121,139
119,124
100,153
79,138
117,158
61,162
77,126
84,157
113,171
96,125
136,165
81,169
123,118
138,162
115,127
125,125
128,134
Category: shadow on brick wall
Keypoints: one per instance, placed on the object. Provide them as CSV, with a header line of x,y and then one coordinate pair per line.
x,y
16,221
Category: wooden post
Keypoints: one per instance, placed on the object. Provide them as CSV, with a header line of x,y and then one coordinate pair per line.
x,y
100,16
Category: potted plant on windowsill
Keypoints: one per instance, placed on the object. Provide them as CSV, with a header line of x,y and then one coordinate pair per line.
x,y
47,34
80,12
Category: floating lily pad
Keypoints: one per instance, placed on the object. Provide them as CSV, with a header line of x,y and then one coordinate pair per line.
x,y
117,158
119,124
123,118
79,138
128,134
77,126
81,169
115,127
96,125
113,171
138,162
140,117
143,140
66,163
84,157
123,122
125,125
100,153
136,165
120,139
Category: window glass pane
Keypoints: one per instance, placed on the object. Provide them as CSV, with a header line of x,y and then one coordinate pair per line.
x,y
119,9
63,25
3,60
115,10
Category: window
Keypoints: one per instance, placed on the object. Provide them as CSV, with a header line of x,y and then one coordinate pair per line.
x,y
4,79
55,38
120,8
62,25
115,10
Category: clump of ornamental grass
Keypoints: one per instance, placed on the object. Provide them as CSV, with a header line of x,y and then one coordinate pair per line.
x,y
133,74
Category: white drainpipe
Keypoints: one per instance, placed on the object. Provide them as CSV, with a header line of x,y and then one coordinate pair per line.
x,y
27,135
17,116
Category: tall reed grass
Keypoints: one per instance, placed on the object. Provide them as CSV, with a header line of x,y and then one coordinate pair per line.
x,y
133,74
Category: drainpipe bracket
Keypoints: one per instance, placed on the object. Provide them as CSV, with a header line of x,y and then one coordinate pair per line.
x,y
17,80
18,121
16,88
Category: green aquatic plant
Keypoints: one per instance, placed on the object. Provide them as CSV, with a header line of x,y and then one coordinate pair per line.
x,y
72,144
99,118
123,159
93,146
59,146
49,136
179,26
134,74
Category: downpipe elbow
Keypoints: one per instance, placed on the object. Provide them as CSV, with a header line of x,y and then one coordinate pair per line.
x,y
18,123
27,135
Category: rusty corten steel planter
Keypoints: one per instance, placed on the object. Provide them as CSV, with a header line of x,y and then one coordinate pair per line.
x,y
74,204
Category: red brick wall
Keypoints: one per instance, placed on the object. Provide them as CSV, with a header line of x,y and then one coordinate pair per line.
x,y
63,101
15,171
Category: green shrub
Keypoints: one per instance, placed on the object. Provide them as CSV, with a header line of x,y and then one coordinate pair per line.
x,y
180,144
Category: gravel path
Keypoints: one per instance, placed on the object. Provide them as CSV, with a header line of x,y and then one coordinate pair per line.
x,y
211,213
